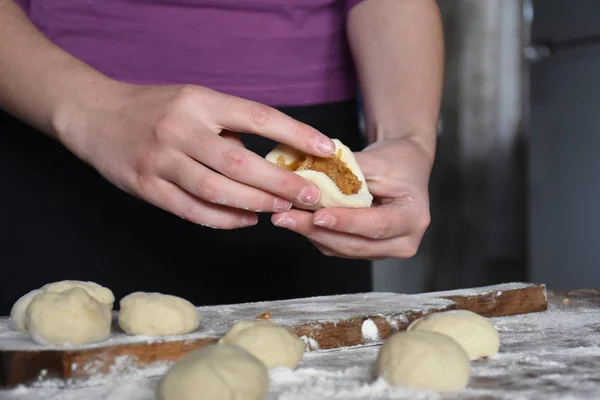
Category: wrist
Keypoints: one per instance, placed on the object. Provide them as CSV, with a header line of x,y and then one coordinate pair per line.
x,y
423,139
71,118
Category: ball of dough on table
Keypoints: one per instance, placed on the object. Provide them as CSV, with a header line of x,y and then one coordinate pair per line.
x,y
157,314
473,332
423,360
216,371
272,344
17,313
100,293
71,317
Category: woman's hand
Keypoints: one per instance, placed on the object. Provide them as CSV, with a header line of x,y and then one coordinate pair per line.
x,y
397,173
175,147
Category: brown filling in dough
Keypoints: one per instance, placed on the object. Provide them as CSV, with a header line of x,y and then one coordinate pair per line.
x,y
333,167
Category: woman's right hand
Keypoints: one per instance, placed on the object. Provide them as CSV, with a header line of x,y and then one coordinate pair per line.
x,y
176,147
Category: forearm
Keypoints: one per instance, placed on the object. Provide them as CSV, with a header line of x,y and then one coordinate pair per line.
x,y
40,83
398,51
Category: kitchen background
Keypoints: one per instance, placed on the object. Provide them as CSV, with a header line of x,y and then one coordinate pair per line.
x,y
516,186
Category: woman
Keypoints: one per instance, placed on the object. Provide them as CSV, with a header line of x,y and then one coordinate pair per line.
x,y
133,134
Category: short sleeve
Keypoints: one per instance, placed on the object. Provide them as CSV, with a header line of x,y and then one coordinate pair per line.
x,y
348,4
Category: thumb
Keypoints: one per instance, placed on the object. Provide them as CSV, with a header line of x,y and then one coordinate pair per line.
x,y
368,162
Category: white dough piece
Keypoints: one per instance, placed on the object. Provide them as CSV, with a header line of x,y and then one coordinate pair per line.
x,y
100,293
216,371
157,314
331,196
424,360
71,317
473,332
272,344
17,313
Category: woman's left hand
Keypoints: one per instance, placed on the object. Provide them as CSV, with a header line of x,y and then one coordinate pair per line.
x,y
397,173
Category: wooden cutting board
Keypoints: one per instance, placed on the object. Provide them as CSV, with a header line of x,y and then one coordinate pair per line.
x,y
327,322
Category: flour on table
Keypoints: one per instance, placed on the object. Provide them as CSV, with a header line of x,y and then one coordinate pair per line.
x,y
216,320
550,355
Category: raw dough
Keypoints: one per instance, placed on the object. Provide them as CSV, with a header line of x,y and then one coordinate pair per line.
x,y
100,293
17,313
71,317
473,332
157,314
272,344
216,371
331,196
423,360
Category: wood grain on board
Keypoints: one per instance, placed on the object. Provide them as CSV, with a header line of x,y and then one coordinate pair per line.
x,y
327,322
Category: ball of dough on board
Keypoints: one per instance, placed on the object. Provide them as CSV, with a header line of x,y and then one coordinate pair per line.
x,y
473,332
157,314
216,371
331,195
100,293
71,317
423,360
272,344
17,313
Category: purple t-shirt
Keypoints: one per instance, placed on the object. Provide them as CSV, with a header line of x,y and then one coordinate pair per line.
x,y
279,52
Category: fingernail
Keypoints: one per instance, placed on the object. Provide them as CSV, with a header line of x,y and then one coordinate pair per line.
x,y
248,222
327,221
285,222
308,195
325,146
282,205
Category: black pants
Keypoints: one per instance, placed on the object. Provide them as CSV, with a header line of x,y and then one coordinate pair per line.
x,y
59,219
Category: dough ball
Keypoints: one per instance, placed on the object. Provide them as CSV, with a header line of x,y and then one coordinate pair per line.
x,y
100,293
71,317
331,195
272,344
17,313
216,371
157,314
423,360
473,332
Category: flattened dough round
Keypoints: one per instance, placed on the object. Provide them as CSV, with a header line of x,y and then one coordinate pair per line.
x,y
331,196
157,314
71,317
272,344
100,293
17,313
423,360
216,371
473,332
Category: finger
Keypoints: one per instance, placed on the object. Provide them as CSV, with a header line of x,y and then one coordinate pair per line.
x,y
233,138
369,165
245,116
170,197
344,244
382,222
249,168
212,187
330,253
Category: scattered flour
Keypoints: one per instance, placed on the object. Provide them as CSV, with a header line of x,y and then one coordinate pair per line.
x,y
216,320
548,355
311,343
